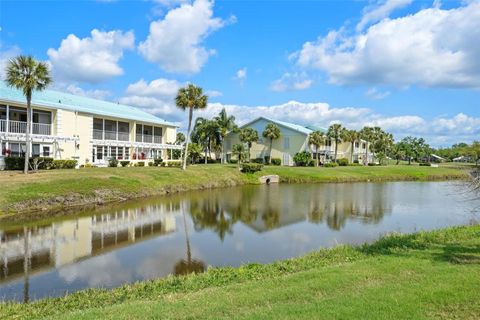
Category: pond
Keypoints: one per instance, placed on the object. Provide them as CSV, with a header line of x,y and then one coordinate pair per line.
x,y
190,232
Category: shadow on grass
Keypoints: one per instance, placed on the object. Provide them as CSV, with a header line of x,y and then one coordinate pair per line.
x,y
445,247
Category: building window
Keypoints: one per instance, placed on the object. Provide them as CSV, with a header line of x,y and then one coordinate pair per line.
x,y
357,144
328,143
99,152
46,151
35,150
113,152
363,145
286,142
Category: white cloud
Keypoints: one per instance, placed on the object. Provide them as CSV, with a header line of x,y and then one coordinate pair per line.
x,y
94,93
176,41
213,93
91,59
291,81
5,55
241,75
159,88
380,11
375,94
433,48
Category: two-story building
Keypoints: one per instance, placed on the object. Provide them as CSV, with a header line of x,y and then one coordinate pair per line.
x,y
66,126
293,139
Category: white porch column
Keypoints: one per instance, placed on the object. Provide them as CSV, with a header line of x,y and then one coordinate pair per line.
x,y
8,119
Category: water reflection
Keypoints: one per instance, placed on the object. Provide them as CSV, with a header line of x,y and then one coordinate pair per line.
x,y
186,233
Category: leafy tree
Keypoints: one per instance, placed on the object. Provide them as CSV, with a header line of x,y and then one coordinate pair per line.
x,y
317,139
27,74
206,133
335,132
194,152
351,136
382,142
272,132
474,152
248,136
180,139
225,124
366,134
190,97
397,151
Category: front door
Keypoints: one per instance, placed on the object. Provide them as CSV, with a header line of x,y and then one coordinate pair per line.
x,y
286,159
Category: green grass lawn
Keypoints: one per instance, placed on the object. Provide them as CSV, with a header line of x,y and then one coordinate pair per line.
x,y
58,189
428,275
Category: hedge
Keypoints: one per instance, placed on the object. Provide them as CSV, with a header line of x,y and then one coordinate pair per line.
x,y
17,163
64,164
276,161
124,163
330,165
251,167
342,162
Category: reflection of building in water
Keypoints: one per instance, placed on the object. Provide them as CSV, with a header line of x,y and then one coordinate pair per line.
x,y
61,243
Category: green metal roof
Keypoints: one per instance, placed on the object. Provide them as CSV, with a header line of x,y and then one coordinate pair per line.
x,y
66,101
296,127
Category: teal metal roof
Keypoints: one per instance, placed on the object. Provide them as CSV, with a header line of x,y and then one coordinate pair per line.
x,y
305,130
66,101
317,128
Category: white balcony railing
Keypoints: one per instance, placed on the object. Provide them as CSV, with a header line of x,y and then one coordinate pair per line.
x,y
110,135
148,138
21,127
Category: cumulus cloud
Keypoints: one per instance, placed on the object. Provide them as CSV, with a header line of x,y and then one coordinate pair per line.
x,y
91,59
94,93
291,81
380,11
7,53
438,131
158,88
213,93
433,47
176,41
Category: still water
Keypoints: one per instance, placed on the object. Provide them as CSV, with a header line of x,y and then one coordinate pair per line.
x,y
154,238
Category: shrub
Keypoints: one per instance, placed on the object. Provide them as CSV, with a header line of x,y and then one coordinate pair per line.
x,y
257,160
425,164
266,159
17,163
354,164
276,161
233,161
151,164
330,165
140,164
372,164
356,161
251,167
113,163
157,162
64,164
342,162
124,163
302,159
175,164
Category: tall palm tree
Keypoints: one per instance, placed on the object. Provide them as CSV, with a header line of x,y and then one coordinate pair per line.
x,y
190,97
248,136
272,132
335,133
317,139
206,133
26,74
226,124
351,136
366,134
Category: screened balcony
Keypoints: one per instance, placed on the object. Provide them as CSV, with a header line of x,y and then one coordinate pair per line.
x,y
110,130
14,120
148,134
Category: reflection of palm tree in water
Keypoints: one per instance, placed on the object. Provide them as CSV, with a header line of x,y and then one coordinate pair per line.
x,y
189,265
26,266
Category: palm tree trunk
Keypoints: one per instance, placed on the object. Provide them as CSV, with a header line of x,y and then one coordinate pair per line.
x,y
27,134
336,149
190,116
270,153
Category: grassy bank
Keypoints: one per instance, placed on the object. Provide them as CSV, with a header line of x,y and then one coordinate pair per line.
x,y
60,189
425,275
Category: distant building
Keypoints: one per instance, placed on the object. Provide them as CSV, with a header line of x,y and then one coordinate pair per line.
x,y
66,126
293,139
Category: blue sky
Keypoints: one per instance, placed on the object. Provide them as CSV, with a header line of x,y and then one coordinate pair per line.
x,y
411,67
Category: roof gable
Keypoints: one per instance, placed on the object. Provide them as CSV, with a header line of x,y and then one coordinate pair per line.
x,y
291,126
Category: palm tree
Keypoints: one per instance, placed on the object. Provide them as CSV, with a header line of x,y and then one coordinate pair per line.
x,y
26,74
226,124
335,133
194,152
272,132
351,136
239,151
180,138
248,136
206,132
190,97
316,139
366,134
